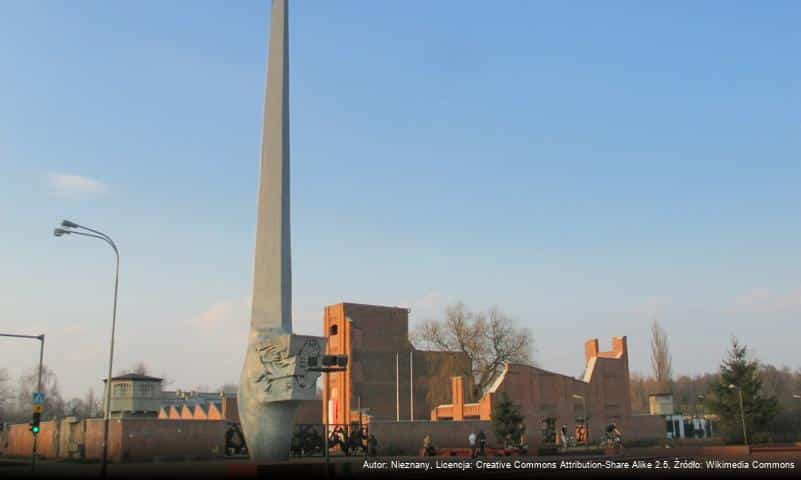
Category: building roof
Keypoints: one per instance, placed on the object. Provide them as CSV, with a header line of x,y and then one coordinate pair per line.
x,y
135,376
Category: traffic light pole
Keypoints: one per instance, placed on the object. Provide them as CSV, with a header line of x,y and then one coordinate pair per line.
x,y
38,389
41,339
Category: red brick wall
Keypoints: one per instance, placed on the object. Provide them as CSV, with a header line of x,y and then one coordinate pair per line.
x,y
146,439
93,438
129,440
20,440
642,427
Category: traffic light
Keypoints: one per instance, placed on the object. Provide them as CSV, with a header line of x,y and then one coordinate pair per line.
x,y
35,422
335,361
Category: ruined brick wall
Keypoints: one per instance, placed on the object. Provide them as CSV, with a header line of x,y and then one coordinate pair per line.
x,y
372,336
541,395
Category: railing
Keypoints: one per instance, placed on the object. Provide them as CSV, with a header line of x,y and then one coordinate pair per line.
x,y
342,440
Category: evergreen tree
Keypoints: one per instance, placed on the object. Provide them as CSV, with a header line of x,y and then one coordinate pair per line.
x,y
759,408
506,418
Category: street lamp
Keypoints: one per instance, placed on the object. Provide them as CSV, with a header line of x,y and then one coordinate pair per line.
x,y
586,425
72,228
702,420
742,411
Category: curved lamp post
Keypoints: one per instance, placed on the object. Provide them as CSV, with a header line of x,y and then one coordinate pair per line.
x,y
702,419
742,411
72,228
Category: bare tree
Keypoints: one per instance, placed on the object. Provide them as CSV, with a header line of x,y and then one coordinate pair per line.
x,y
28,383
487,339
86,407
6,394
139,368
93,403
661,362
76,407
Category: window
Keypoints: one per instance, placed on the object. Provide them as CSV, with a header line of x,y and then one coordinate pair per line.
x,y
333,330
144,390
121,389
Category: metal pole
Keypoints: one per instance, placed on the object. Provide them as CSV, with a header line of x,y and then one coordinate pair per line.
x,y
702,419
70,228
325,430
397,389
742,416
104,463
38,383
38,389
411,386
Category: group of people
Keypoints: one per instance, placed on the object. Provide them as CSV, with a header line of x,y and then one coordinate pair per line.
x,y
358,440
612,436
478,444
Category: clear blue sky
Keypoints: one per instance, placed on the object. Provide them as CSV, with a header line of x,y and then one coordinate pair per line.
x,y
587,168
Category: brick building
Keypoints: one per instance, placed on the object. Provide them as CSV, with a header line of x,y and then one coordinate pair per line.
x,y
387,377
548,400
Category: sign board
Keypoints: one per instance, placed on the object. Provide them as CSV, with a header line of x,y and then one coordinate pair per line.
x,y
37,408
38,398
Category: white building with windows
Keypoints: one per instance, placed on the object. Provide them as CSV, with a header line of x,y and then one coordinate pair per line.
x,y
135,395
677,424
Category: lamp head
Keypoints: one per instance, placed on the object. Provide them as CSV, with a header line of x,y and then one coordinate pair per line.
x,y
60,231
732,386
796,396
68,224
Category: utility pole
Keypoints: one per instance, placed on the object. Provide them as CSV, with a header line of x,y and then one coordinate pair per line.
x,y
397,388
38,389
35,407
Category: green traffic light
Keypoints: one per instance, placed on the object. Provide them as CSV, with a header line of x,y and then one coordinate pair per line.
x,y
35,429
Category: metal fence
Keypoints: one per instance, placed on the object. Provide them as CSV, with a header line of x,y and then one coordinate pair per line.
x,y
342,440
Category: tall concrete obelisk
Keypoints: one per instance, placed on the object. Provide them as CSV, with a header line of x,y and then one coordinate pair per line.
x,y
275,375
272,280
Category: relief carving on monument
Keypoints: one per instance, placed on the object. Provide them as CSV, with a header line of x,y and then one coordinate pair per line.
x,y
278,366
